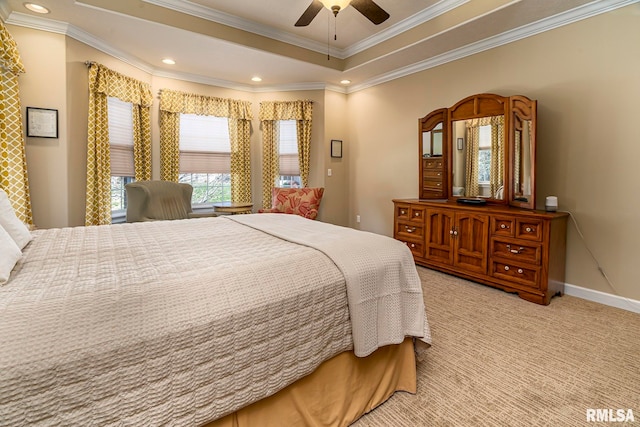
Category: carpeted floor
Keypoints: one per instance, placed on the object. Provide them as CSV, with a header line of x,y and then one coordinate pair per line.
x,y
498,360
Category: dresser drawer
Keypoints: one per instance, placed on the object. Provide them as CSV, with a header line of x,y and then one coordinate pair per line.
x,y
503,226
529,228
432,174
432,163
409,230
432,184
410,213
417,248
526,275
516,250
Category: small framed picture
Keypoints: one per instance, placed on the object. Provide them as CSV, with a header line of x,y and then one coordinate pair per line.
x,y
42,122
336,148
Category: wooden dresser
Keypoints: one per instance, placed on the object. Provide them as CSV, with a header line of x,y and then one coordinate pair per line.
x,y
513,249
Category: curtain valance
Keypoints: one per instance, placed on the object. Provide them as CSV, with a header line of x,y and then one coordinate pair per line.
x,y
286,110
191,103
125,88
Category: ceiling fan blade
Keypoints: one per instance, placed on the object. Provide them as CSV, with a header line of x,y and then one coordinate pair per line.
x,y
308,15
370,10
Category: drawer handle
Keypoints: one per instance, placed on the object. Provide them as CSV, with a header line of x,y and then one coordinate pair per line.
x,y
515,251
402,212
416,214
529,229
413,245
409,229
506,268
520,271
503,226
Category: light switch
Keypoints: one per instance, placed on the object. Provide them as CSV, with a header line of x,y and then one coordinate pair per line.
x,y
328,172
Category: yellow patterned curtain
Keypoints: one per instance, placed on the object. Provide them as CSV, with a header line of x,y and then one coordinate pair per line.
x,y
13,165
472,150
472,153
174,103
497,154
270,113
270,163
104,83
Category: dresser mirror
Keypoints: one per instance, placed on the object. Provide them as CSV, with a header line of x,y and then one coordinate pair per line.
x,y
478,158
482,147
433,132
523,154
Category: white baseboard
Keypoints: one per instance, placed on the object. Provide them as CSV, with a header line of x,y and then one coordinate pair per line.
x,y
602,298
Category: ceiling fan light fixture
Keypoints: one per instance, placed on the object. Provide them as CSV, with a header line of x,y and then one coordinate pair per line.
x,y
333,4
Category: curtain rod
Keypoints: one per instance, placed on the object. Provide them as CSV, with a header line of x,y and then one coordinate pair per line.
x,y
89,63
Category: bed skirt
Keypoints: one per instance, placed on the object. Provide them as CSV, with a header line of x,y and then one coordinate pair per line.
x,y
339,392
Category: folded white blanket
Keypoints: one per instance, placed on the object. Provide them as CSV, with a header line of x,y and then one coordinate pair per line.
x,y
385,295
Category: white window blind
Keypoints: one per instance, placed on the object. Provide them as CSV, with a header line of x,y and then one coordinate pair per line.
x,y
205,146
288,151
120,118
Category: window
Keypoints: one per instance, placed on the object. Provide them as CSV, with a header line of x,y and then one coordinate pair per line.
x,y
484,155
205,158
288,155
120,117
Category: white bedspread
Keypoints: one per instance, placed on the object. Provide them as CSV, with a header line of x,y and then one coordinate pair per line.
x,y
169,322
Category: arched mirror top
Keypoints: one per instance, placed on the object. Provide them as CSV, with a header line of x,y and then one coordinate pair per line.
x,y
481,147
482,105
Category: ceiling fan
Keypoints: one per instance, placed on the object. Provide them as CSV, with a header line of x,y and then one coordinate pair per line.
x,y
368,8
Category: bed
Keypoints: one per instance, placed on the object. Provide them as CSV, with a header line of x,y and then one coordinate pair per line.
x,y
191,322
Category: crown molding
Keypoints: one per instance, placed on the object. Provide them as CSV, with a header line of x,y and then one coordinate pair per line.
x,y
583,12
5,10
52,26
425,15
189,8
591,9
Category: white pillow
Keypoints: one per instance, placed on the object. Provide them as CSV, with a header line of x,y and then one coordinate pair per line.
x,y
9,255
12,225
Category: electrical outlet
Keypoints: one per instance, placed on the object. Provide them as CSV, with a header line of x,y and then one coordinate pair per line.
x,y
358,218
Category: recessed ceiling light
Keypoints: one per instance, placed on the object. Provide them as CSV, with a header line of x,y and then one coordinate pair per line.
x,y
345,81
169,61
256,79
36,8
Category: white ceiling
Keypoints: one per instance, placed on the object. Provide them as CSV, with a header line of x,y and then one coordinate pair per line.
x,y
226,42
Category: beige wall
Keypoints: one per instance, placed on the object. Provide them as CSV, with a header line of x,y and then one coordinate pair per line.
x,y
585,78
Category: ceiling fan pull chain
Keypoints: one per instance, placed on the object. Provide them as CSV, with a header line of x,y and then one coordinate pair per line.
x,y
328,39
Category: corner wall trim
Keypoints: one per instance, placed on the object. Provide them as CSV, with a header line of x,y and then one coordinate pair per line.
x,y
602,298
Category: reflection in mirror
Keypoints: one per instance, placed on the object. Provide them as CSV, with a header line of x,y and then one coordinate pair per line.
x,y
432,142
522,160
478,163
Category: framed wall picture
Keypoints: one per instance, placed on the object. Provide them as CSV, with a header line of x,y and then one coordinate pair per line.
x,y
42,122
336,148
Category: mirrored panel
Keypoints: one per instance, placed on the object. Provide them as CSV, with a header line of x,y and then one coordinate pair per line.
x,y
432,142
522,161
478,157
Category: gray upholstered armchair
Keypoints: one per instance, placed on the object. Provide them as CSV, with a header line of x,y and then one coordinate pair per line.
x,y
159,200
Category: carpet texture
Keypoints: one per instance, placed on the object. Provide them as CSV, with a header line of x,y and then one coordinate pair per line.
x,y
498,360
